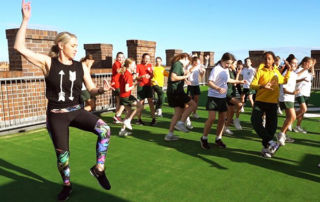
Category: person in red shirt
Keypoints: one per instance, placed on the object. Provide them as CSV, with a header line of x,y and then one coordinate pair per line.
x,y
126,99
116,85
144,89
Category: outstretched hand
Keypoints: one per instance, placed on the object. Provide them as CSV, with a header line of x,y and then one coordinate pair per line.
x,y
107,86
26,10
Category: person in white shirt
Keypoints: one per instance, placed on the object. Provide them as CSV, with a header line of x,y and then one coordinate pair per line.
x,y
217,82
304,87
286,100
247,73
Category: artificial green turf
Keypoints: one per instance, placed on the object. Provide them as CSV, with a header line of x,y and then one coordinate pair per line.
x,y
144,167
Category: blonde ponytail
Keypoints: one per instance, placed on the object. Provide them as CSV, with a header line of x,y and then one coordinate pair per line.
x,y
62,37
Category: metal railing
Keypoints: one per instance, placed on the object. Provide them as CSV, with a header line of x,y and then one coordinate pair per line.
x,y
316,80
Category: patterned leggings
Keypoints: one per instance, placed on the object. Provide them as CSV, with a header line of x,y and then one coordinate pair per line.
x,y
58,128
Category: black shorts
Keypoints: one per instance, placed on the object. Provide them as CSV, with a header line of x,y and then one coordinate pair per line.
x,y
144,92
216,104
127,101
248,91
116,92
193,90
178,99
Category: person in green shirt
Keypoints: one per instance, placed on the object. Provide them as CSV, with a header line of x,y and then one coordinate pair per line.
x,y
177,98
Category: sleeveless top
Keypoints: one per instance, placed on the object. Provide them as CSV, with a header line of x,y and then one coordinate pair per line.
x,y
63,84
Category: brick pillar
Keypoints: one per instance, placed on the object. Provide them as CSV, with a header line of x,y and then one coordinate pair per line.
x,y
256,57
170,53
316,55
102,54
39,41
199,55
211,58
136,48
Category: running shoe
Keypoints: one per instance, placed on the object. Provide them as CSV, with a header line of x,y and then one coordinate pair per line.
x,y
101,177
204,144
266,153
273,147
289,139
153,122
281,138
195,115
236,123
171,137
65,193
228,131
180,126
220,144
117,119
127,124
140,122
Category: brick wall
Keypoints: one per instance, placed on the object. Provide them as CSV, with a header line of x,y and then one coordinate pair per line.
x,y
256,57
316,54
136,48
170,53
102,54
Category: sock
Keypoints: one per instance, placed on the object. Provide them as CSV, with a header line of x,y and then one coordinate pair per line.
x,y
170,133
204,137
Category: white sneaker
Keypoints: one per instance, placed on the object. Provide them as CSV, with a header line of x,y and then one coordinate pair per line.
x,y
159,112
242,109
189,124
228,131
171,137
273,147
236,123
127,124
195,115
290,127
298,129
266,153
124,133
279,111
180,126
281,138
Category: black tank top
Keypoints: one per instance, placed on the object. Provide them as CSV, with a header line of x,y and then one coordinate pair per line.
x,y
63,84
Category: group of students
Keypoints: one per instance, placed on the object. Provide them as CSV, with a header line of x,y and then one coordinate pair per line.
x,y
64,78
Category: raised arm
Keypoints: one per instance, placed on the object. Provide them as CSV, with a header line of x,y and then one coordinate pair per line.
x,y
40,60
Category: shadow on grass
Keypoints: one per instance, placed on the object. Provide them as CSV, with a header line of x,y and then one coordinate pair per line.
x,y
192,148
28,186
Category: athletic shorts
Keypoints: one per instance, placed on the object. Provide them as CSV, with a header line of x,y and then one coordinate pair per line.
x,y
302,99
85,95
193,90
127,101
248,91
216,104
178,99
116,92
144,92
286,105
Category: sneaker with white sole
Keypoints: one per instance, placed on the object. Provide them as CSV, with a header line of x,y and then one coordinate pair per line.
x,y
159,112
242,109
264,122
124,133
127,124
279,111
298,129
266,153
180,126
289,139
195,115
290,127
236,123
171,137
204,144
281,138
273,147
228,131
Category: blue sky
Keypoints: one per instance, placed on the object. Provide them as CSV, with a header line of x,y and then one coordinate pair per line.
x,y
236,26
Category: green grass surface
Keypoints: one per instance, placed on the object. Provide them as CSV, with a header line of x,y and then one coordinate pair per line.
x,y
144,167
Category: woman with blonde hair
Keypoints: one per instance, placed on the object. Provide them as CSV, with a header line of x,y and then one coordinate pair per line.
x,y
64,77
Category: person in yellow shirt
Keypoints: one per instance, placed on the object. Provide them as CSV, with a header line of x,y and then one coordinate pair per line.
x,y
159,73
266,83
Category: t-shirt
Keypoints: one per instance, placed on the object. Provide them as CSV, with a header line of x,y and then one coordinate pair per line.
x,y
125,78
219,76
289,86
143,69
194,75
176,86
304,86
248,74
158,75
115,75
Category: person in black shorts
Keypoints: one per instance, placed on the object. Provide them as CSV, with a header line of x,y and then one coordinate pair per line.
x,y
177,98
64,77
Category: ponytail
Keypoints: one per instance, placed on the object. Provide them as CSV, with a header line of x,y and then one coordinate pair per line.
x,y
62,37
179,57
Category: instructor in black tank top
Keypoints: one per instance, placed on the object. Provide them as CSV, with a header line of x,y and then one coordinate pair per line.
x,y
64,77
